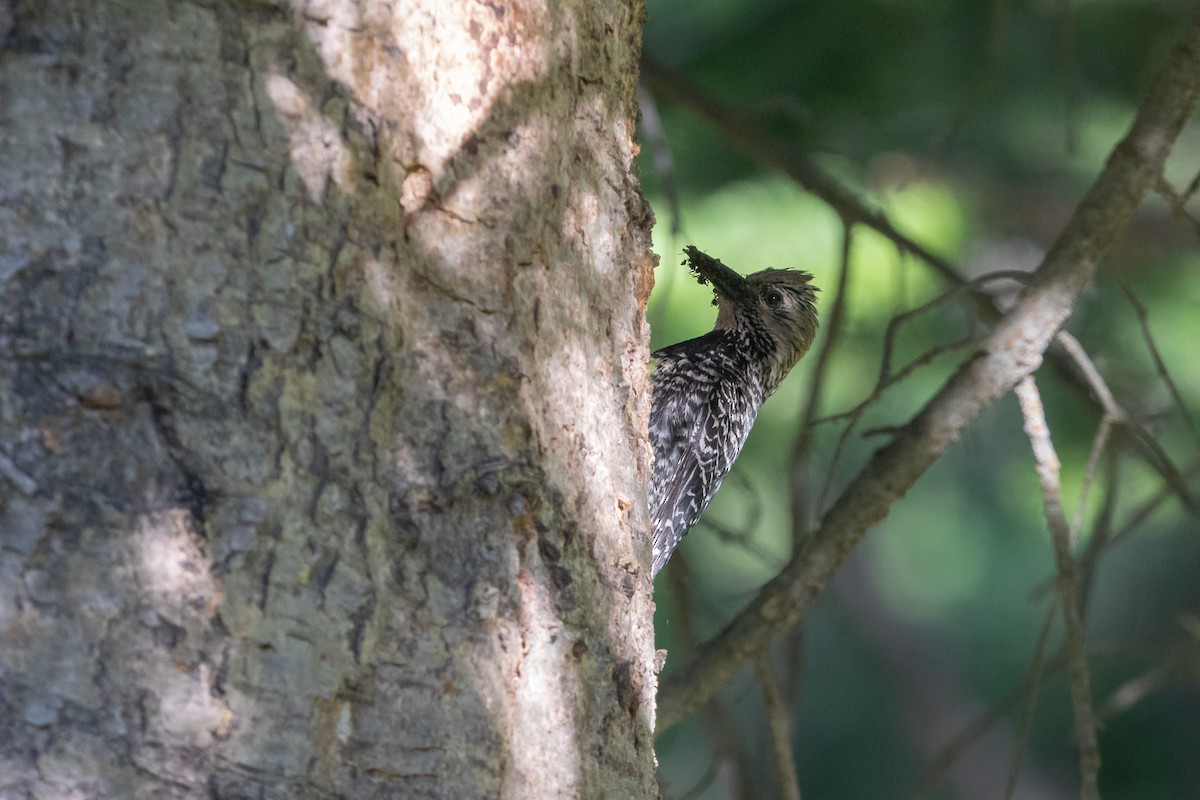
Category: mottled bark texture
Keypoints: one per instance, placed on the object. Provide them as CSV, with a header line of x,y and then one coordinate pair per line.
x,y
322,383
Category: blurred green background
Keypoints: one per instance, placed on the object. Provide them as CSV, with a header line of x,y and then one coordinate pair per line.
x,y
976,127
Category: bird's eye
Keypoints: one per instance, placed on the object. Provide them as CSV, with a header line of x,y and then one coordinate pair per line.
x,y
773,298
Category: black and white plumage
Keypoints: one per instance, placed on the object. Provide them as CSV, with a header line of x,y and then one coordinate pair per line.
x,y
706,392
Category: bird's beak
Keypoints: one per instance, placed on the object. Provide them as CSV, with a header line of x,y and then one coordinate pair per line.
x,y
727,283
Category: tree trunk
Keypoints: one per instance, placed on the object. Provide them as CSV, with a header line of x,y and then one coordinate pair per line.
x,y
322,390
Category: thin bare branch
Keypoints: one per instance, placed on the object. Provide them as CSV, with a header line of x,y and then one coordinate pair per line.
x,y
1143,512
855,414
1192,187
1033,687
1156,457
1113,414
887,378
728,753
844,437
742,132
1041,667
797,166
1095,381
743,538
661,161
1104,537
1102,531
1099,442
742,534
1145,443
889,338
800,488
953,750
1013,349
1178,202
1159,364
781,734
1046,460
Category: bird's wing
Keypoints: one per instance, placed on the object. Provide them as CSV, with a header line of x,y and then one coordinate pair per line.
x,y
695,435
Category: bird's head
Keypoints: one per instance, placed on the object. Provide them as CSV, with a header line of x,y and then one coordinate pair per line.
x,y
775,307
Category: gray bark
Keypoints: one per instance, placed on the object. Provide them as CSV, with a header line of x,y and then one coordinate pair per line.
x,y
322,390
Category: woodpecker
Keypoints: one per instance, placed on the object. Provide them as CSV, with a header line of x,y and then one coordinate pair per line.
x,y
706,392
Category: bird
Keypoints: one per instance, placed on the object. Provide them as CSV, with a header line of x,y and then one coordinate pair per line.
x,y
706,392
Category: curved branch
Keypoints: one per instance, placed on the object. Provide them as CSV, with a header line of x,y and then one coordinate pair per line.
x,y
797,166
852,209
1013,350
1047,467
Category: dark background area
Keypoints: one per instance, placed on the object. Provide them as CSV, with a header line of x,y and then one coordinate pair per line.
x,y
976,128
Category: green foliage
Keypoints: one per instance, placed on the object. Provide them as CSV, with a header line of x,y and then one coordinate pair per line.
x,y
977,141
